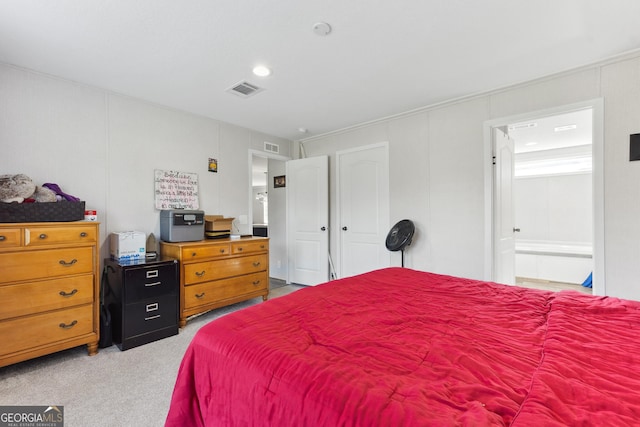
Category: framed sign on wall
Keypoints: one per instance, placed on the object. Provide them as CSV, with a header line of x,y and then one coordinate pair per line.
x,y
176,190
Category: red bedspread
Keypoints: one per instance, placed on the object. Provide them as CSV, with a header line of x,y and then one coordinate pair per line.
x,y
398,347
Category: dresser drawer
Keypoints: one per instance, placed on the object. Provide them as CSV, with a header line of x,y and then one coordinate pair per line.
x,y
150,282
42,264
48,328
150,315
220,269
44,236
10,237
243,247
36,297
193,253
205,293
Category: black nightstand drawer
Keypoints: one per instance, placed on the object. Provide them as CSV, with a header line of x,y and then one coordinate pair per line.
x,y
147,316
146,282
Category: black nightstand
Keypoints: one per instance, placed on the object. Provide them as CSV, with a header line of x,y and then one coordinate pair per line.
x,y
142,297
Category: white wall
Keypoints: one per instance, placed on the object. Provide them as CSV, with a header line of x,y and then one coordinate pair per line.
x,y
555,208
555,217
438,168
258,206
104,148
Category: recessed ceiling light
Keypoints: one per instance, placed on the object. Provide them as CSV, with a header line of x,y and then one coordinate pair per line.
x,y
261,71
321,28
565,127
522,126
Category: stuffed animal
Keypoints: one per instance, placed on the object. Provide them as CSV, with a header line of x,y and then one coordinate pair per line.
x,y
44,194
18,188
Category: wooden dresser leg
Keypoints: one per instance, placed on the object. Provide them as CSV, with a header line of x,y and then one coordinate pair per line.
x,y
182,322
265,297
92,348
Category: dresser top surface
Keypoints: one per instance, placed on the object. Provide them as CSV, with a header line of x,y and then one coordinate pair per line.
x,y
214,241
46,224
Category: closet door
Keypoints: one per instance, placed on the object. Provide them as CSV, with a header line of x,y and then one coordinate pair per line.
x,y
363,208
307,185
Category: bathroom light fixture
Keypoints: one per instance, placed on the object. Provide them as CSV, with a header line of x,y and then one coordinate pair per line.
x,y
522,126
261,71
565,127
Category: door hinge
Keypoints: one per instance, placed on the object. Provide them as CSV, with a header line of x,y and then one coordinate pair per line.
x,y
493,160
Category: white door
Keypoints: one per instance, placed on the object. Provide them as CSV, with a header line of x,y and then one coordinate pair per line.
x,y
504,226
307,184
363,209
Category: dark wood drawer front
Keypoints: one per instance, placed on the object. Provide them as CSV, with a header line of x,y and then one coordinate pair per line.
x,y
10,237
150,315
243,247
46,328
150,282
210,292
39,296
220,269
43,264
44,236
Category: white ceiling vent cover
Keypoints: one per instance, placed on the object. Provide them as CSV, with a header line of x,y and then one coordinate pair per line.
x,y
271,147
244,89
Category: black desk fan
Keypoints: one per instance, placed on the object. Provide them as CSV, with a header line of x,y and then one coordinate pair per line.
x,y
400,236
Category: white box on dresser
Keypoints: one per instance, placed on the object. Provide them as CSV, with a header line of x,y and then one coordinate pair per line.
x,y
49,288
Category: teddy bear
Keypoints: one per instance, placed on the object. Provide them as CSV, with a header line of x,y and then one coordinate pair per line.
x,y
18,188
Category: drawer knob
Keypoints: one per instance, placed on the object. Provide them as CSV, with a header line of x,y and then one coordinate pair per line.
x,y
222,250
83,234
199,295
200,273
261,246
68,294
240,249
256,282
193,254
69,326
256,264
68,264
2,238
42,236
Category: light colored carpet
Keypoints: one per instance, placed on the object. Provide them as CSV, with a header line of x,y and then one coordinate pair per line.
x,y
113,388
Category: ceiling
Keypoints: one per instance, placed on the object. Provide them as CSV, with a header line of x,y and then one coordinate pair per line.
x,y
571,129
381,58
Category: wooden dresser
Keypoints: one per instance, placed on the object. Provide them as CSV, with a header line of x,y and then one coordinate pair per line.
x,y
219,272
49,285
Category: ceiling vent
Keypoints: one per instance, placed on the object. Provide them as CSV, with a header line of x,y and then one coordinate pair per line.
x,y
244,89
271,147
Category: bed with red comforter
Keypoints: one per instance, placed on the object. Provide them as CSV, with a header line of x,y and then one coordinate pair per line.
x,y
399,347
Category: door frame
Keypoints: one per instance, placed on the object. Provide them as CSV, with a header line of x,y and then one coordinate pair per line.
x,y
263,154
338,234
597,106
